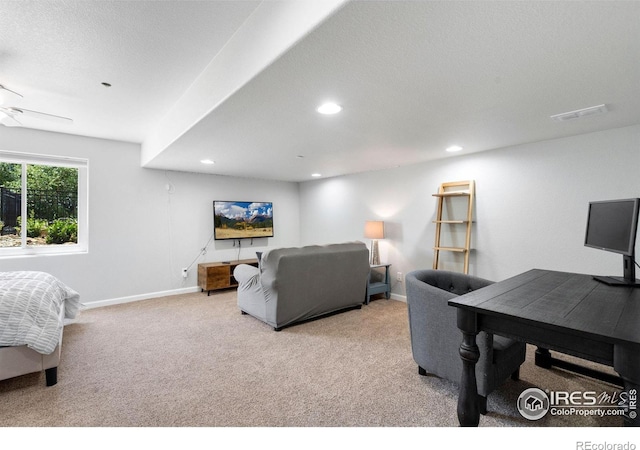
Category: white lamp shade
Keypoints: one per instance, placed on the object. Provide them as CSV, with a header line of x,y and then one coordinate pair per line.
x,y
374,229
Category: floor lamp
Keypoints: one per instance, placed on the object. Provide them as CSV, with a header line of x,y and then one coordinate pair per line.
x,y
374,230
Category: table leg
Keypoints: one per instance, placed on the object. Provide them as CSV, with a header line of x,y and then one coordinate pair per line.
x,y
543,358
387,281
468,408
627,364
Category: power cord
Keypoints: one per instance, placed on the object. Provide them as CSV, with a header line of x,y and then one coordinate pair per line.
x,y
203,251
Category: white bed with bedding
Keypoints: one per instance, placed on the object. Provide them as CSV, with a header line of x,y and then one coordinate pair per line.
x,y
33,307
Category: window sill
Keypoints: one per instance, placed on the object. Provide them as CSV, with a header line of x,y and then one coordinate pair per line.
x,y
63,250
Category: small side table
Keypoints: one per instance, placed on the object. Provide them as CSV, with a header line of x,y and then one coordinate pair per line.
x,y
379,287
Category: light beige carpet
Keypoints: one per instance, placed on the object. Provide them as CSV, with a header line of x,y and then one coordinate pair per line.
x,y
193,360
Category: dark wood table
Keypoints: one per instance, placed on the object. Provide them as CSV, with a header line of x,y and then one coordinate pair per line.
x,y
566,312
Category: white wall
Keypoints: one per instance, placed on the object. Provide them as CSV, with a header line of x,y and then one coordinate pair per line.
x,y
531,205
140,234
530,211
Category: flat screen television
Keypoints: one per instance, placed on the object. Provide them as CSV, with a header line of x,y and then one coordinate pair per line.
x,y
612,226
242,220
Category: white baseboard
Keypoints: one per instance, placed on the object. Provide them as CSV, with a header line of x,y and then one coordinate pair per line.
x,y
189,290
135,298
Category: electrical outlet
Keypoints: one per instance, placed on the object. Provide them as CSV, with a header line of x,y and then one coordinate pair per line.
x,y
184,272
399,277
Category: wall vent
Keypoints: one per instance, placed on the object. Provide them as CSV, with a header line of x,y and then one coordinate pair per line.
x,y
580,113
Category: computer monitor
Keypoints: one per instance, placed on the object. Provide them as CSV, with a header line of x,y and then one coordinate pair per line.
x,y
612,226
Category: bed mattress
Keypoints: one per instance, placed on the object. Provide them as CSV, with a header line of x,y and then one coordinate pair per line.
x,y
33,306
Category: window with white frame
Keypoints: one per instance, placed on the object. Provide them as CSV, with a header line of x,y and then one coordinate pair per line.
x,y
43,204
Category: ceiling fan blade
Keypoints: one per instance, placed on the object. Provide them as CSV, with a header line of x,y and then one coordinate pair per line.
x,y
7,119
8,96
41,115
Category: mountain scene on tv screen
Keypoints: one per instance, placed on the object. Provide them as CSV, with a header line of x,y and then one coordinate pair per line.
x,y
238,220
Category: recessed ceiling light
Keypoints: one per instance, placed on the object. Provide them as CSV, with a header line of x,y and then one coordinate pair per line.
x,y
329,108
454,148
316,175
207,161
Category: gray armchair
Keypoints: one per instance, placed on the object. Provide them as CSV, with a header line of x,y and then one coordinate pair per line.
x,y
435,337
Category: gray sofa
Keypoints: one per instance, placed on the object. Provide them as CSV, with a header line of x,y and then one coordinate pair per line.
x,y
436,339
296,284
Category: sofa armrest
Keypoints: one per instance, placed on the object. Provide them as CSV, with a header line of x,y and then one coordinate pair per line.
x,y
244,273
250,293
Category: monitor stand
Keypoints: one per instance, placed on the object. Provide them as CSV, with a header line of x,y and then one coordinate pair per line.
x,y
617,281
629,272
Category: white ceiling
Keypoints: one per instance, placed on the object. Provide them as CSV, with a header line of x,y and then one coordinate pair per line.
x,y
238,81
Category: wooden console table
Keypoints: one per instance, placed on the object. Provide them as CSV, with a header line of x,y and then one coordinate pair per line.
x,y
566,312
219,275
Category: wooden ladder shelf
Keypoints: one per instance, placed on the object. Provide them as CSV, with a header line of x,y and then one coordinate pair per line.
x,y
450,191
